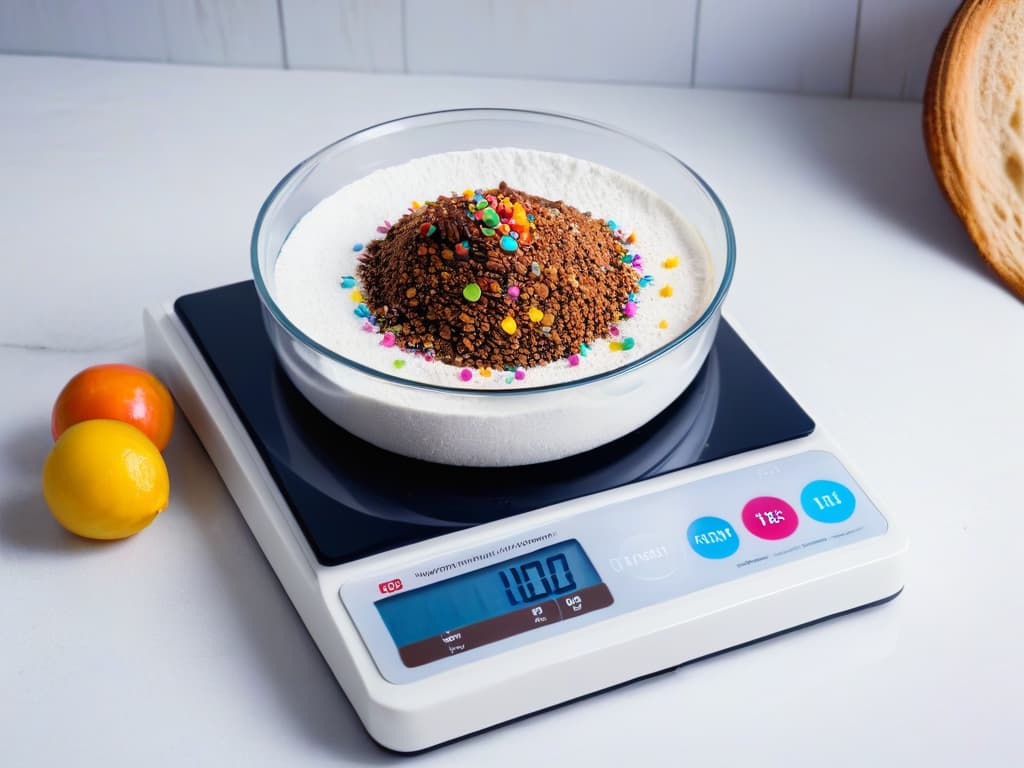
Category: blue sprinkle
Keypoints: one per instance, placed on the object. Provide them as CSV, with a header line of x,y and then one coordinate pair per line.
x,y
508,244
529,217
628,258
612,225
348,281
632,297
584,349
357,247
361,310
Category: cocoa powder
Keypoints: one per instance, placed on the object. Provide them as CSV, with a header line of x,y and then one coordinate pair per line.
x,y
566,265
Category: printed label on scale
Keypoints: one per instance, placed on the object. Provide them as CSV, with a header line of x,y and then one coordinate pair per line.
x,y
507,625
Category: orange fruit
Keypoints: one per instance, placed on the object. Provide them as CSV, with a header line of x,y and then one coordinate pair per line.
x,y
120,392
105,479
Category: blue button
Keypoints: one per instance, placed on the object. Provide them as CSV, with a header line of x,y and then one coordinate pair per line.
x,y
827,501
712,537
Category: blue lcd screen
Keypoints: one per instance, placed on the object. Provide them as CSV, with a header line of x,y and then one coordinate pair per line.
x,y
489,592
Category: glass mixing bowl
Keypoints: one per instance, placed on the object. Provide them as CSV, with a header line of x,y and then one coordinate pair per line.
x,y
492,427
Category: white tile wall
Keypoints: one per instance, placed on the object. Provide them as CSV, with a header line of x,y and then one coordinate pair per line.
x,y
639,41
231,32
871,48
344,34
782,45
895,44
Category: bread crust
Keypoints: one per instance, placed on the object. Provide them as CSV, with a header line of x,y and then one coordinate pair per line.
x,y
951,123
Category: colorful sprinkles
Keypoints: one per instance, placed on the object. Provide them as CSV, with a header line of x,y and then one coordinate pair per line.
x,y
514,228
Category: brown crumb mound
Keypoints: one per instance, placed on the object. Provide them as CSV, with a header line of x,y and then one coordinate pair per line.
x,y
567,267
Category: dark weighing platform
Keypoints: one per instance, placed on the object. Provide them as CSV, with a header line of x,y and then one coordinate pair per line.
x,y
352,499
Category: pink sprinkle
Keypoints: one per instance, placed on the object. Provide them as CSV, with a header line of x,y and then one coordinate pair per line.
x,y
465,374
520,373
428,356
513,291
368,326
574,360
388,339
613,330
630,309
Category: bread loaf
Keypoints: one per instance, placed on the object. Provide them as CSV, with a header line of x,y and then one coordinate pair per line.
x,y
974,128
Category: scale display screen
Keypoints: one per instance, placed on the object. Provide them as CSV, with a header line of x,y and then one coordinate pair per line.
x,y
490,604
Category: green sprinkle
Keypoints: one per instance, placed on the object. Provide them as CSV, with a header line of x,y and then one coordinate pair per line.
x,y
471,292
628,343
487,231
399,363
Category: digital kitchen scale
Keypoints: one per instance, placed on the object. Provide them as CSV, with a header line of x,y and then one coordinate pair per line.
x,y
448,600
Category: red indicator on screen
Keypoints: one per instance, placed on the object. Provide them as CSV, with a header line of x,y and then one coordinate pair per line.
x,y
387,587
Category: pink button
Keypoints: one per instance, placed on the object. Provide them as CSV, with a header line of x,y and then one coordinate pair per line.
x,y
769,518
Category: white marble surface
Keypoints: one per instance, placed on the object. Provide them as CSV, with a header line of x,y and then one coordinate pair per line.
x,y
124,184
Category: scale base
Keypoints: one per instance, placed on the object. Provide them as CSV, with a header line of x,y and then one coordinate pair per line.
x,y
462,700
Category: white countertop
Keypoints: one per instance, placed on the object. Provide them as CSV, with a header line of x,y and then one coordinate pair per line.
x,y
125,184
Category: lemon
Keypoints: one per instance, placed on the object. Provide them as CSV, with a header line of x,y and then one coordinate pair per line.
x,y
105,479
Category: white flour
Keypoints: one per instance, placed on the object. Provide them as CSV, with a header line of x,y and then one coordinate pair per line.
x,y
319,252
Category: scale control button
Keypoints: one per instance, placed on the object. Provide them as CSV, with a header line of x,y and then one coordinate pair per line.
x,y
644,556
827,501
768,517
713,538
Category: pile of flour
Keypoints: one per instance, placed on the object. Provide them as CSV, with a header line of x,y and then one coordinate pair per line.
x,y
320,252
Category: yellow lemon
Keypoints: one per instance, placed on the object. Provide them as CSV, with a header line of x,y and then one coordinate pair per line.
x,y
105,479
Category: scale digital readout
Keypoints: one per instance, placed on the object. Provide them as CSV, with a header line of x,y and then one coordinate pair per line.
x,y
491,604
488,595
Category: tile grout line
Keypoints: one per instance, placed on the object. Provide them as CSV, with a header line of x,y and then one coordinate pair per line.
x,y
856,45
403,7
284,40
696,39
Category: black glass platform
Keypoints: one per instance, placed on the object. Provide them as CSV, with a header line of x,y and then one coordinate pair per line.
x,y
352,499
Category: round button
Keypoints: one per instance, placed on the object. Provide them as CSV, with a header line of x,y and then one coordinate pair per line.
x,y
646,557
769,518
827,501
712,537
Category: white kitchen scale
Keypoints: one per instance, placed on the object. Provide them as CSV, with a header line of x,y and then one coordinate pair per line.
x,y
449,600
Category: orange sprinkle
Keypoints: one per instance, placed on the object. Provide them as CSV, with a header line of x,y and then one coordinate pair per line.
x,y
671,262
485,372
468,194
632,238
666,291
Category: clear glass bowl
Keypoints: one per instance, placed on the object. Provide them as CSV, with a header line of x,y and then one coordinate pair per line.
x,y
492,427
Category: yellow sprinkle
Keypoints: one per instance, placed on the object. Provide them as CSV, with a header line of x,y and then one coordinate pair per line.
x,y
468,194
535,315
508,325
357,296
663,324
615,346
485,372
416,204
632,238
671,262
666,291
